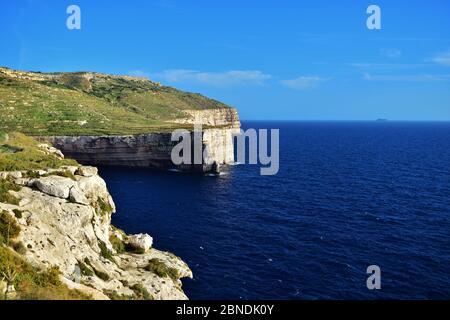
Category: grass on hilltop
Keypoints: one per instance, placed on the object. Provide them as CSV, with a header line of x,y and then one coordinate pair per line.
x,y
74,104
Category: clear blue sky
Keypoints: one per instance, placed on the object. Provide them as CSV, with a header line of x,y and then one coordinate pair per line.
x,y
307,60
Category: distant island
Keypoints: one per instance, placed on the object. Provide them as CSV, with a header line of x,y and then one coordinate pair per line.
x,y
382,120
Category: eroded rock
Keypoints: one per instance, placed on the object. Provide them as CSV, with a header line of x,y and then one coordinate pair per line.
x,y
87,171
54,186
141,241
77,196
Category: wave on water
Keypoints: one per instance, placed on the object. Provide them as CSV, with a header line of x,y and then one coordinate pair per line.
x,y
216,174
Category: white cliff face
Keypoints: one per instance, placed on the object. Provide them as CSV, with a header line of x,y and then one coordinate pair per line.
x,y
153,150
219,145
216,118
66,222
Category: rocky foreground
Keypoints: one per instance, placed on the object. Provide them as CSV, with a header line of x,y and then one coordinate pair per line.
x,y
64,218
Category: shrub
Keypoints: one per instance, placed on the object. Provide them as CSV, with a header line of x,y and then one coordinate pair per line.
x,y
129,248
113,295
117,244
9,229
32,174
159,268
65,174
100,274
33,284
103,208
105,252
141,293
85,270
5,196
18,213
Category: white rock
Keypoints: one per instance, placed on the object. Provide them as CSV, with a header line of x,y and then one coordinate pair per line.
x,y
57,152
51,150
22,181
77,196
54,186
71,169
87,171
141,241
15,175
95,294
95,188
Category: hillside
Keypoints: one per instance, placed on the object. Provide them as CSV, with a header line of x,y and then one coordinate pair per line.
x,y
87,103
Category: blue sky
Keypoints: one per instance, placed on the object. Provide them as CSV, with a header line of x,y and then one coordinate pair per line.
x,y
305,60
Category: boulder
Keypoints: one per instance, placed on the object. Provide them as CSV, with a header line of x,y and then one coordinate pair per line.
x,y
15,175
95,188
51,150
77,196
54,186
140,241
87,171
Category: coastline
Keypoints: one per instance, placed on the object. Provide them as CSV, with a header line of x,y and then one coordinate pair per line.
x,y
63,221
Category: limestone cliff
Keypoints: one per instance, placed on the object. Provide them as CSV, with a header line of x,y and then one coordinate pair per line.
x,y
65,222
101,119
153,150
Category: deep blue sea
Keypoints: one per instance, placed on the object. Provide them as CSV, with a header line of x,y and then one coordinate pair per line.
x,y
348,195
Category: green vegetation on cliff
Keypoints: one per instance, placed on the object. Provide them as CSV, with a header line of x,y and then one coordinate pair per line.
x,y
31,283
19,152
85,103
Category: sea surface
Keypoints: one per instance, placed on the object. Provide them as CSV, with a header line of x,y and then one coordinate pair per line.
x,y
348,195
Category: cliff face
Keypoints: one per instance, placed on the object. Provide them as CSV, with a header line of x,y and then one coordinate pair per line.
x,y
65,222
212,118
153,150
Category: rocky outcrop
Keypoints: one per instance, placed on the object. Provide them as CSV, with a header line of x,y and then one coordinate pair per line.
x,y
66,222
153,150
141,242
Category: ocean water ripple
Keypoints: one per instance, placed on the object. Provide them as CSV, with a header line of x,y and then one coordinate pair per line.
x,y
348,195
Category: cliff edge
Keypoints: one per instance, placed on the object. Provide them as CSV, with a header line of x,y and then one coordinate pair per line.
x,y
101,119
57,221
